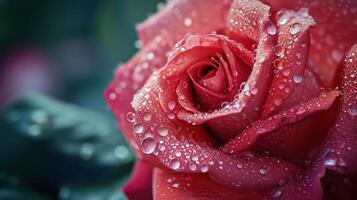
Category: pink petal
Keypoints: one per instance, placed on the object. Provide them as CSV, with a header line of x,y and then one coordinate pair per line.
x,y
335,31
339,149
286,117
246,107
171,185
169,142
181,17
140,185
292,52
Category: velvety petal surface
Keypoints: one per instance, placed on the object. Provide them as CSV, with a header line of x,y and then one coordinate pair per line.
x,y
171,185
140,185
181,17
334,34
338,152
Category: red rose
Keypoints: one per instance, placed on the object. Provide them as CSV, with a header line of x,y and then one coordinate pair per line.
x,y
242,100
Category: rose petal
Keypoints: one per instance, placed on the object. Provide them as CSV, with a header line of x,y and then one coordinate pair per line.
x,y
172,143
288,116
292,51
339,150
171,185
181,17
246,108
140,185
335,31
130,77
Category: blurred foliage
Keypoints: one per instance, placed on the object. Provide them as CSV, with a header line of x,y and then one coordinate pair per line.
x,y
55,150
62,149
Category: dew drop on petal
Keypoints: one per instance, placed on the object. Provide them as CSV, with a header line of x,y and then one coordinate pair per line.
x,y
163,131
174,164
271,29
297,78
276,193
130,117
192,166
352,110
278,101
148,145
188,21
138,128
178,153
295,28
330,162
171,105
203,168
147,117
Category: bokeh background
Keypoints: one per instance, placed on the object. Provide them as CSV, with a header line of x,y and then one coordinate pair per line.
x,y
58,139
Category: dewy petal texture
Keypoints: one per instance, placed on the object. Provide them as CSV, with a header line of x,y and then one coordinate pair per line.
x,y
283,118
170,185
339,149
247,105
335,31
140,185
292,52
181,17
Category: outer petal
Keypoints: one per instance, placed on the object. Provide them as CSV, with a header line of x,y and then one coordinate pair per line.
x,y
335,31
339,150
286,117
181,17
292,51
140,184
175,186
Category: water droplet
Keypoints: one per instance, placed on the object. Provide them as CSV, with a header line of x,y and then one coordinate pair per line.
x,y
147,117
163,131
276,193
194,158
278,101
279,50
295,28
263,171
210,162
188,21
171,105
148,145
271,29
138,128
352,110
162,147
150,56
171,116
130,117
284,17
112,96
297,78
239,166
178,153
286,71
174,164
192,166
330,162
86,151
254,91
204,168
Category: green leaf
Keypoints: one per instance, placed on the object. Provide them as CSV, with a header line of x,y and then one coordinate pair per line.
x,y
12,188
51,144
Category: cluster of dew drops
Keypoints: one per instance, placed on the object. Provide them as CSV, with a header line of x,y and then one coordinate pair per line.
x,y
149,145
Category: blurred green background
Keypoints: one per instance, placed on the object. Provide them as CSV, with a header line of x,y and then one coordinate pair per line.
x,y
61,142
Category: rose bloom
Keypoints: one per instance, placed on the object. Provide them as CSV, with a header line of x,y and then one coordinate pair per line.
x,y
242,99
